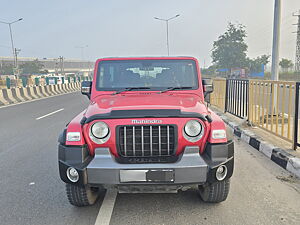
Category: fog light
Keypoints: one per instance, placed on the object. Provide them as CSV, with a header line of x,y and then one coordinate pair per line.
x,y
72,174
221,173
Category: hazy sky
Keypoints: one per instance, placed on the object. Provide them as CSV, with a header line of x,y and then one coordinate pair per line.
x,y
127,28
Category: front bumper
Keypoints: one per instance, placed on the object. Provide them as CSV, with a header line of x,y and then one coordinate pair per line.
x,y
103,169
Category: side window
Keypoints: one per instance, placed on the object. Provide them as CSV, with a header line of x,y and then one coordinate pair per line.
x,y
100,77
107,75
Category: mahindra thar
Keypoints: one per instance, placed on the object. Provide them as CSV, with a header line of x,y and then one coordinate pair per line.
x,y
147,128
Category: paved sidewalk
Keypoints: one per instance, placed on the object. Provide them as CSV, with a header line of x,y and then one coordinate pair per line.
x,y
275,148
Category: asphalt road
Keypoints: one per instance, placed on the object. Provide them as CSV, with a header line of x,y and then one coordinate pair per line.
x,y
31,191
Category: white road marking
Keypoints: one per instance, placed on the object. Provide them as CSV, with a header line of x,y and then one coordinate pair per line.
x,y
33,100
49,114
106,208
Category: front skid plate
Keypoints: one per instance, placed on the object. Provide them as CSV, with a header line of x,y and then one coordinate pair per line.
x,y
153,189
191,168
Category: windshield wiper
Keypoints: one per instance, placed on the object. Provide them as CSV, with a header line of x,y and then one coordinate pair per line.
x,y
174,88
130,89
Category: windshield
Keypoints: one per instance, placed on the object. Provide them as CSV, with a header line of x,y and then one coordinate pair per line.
x,y
153,74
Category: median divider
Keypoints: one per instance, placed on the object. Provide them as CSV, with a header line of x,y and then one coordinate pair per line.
x,y
3,101
45,90
22,94
72,86
8,96
29,92
41,90
19,94
14,94
32,92
36,91
64,87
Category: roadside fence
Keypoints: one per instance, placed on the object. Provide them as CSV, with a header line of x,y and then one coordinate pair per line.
x,y
237,92
217,97
270,105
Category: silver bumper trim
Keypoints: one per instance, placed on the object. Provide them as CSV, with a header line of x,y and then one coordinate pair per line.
x,y
189,169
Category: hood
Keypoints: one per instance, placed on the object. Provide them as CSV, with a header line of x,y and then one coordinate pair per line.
x,y
184,102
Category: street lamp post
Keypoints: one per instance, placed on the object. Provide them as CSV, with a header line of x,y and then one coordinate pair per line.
x,y
11,38
167,26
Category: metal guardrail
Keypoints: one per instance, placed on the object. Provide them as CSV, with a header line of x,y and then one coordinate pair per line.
x,y
296,121
237,101
217,98
270,105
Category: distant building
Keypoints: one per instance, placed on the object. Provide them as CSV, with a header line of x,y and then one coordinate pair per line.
x,y
54,65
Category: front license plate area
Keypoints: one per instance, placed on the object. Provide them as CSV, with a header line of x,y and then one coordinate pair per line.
x,y
165,175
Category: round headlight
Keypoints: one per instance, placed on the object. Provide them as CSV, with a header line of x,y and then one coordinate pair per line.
x,y
193,128
100,130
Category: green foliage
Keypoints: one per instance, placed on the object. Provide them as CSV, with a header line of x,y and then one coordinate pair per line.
x,y
33,67
209,71
229,51
286,63
6,69
254,65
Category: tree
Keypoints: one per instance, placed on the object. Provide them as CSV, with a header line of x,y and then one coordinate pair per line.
x,y
33,67
209,71
229,51
285,64
254,65
6,69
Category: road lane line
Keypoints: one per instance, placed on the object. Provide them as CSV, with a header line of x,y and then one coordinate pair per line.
x,y
49,114
106,208
34,100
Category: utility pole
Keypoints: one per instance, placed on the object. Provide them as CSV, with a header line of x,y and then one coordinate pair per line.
x,y
56,67
62,66
297,61
17,51
276,41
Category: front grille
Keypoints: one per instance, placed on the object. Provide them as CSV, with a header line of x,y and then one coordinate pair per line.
x,y
147,140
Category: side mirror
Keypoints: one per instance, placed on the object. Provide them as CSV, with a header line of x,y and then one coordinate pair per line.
x,y
208,86
86,88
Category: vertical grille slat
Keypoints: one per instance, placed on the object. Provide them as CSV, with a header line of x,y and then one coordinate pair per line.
x,y
125,144
151,150
133,140
142,134
168,139
159,141
147,140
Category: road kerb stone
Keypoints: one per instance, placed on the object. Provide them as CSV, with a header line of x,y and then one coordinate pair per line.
x,y
279,156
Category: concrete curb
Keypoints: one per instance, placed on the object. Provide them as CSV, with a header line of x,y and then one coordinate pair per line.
x,y
278,155
21,94
24,94
2,99
32,92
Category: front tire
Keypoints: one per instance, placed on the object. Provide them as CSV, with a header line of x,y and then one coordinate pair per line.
x,y
215,192
81,195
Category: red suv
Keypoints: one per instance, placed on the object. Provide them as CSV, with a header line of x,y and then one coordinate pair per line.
x,y
146,129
